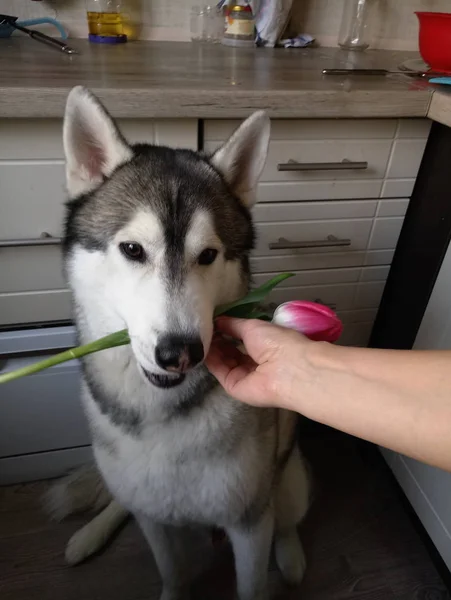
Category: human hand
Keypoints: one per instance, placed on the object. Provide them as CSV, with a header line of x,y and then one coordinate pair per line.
x,y
273,368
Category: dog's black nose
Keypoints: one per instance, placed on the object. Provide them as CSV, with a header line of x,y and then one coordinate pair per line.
x,y
178,353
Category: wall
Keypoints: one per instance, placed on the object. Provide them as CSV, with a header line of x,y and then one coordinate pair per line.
x,y
395,22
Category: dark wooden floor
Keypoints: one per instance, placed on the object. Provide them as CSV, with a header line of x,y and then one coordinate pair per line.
x,y
360,543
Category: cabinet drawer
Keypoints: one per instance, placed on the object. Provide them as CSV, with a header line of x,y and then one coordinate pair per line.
x,y
340,297
218,130
277,264
35,307
327,276
289,191
273,212
307,154
308,211
31,269
32,197
325,152
43,410
319,141
314,233
326,236
42,139
301,278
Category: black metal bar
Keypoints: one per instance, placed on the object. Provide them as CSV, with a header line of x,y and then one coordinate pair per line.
x,y
422,245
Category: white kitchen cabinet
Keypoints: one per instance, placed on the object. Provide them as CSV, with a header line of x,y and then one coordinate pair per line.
x,y
427,488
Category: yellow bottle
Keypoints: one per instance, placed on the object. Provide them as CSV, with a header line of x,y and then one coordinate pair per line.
x,y
113,20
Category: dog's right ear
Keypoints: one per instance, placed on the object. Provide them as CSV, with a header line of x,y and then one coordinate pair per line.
x,y
242,158
93,145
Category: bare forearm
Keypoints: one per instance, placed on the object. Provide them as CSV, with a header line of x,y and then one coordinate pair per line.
x,y
398,399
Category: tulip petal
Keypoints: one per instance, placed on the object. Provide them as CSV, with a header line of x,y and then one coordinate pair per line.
x,y
316,321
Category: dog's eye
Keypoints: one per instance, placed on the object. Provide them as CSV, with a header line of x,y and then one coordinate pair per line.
x,y
133,251
207,257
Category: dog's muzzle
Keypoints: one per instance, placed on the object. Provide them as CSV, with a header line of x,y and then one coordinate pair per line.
x,y
176,355
179,354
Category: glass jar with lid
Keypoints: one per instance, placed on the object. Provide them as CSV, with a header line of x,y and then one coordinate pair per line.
x,y
240,26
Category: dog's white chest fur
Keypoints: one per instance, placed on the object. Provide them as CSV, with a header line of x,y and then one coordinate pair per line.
x,y
180,471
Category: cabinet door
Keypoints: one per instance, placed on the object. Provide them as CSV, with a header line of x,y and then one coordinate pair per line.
x,y
428,488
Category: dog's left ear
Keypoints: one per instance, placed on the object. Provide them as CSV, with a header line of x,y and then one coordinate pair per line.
x,y
93,145
242,158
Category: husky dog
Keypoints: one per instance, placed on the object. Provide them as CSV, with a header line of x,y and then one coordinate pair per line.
x,y
156,238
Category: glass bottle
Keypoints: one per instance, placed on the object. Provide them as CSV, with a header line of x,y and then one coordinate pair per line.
x,y
355,29
113,21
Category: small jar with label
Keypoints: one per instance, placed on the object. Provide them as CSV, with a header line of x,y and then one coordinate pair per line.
x,y
239,26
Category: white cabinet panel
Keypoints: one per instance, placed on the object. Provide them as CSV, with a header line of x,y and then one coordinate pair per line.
x,y
218,130
393,208
340,297
42,138
288,191
413,128
32,197
385,233
308,211
406,158
267,264
400,188
31,269
369,294
313,277
43,411
35,307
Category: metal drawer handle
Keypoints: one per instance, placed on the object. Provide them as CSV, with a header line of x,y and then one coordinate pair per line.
x,y
45,240
345,164
329,242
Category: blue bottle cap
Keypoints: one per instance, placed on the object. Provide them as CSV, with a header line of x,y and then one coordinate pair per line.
x,y
107,39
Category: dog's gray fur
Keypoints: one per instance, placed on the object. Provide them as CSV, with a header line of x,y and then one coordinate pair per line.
x,y
187,456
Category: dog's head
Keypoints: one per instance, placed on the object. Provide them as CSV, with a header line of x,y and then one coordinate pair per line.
x,y
156,238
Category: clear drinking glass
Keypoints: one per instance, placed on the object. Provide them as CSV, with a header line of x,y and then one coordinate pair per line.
x,y
356,24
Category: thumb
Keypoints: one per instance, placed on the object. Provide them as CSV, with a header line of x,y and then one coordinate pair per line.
x,y
262,340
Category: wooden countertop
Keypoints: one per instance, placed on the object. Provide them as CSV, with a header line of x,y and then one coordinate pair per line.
x,y
189,80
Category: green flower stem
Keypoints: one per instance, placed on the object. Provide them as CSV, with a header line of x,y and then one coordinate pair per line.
x,y
244,308
119,338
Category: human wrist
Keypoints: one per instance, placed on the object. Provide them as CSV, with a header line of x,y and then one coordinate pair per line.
x,y
312,364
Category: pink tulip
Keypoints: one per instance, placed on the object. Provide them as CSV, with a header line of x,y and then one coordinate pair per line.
x,y
316,321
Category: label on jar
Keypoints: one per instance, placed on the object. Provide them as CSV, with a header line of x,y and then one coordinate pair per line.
x,y
241,27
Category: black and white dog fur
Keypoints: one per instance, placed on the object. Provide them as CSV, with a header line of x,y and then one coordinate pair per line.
x,y
156,238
